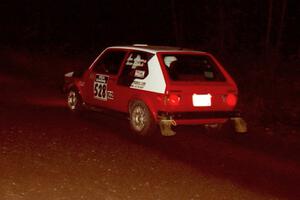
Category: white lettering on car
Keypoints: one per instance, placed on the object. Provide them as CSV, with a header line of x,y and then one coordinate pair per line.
x,y
110,95
138,85
136,62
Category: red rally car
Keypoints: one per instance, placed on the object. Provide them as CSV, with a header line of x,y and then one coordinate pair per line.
x,y
156,86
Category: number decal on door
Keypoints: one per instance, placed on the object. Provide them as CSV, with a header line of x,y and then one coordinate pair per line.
x,y
100,87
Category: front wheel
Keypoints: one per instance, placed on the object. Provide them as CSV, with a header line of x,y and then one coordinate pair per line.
x,y
141,119
74,101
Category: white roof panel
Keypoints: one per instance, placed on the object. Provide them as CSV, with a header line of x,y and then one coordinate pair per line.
x,y
155,49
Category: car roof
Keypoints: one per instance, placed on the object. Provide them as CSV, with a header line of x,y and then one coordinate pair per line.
x,y
154,49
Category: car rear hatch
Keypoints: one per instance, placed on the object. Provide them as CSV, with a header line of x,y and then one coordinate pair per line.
x,y
196,81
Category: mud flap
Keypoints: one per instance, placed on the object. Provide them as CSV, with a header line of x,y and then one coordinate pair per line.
x,y
165,127
240,124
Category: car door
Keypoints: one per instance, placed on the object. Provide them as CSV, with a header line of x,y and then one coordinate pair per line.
x,y
101,83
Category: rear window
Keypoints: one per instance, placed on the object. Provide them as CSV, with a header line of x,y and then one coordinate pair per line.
x,y
186,67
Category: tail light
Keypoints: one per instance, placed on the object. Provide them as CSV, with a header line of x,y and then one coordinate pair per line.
x,y
172,100
231,99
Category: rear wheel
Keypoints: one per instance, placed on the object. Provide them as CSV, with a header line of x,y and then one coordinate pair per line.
x,y
74,101
141,119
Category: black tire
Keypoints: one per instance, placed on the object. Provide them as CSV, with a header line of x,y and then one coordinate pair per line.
x,y
141,120
74,101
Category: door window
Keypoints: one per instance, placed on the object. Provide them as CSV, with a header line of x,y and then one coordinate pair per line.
x,y
109,62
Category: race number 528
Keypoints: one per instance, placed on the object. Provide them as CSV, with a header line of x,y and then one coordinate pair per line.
x,y
100,91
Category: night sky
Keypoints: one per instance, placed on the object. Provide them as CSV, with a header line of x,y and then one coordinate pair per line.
x,y
233,25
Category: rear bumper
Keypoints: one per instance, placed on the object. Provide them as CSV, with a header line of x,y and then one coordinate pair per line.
x,y
206,117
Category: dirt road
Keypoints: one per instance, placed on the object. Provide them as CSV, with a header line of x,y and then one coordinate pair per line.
x,y
48,153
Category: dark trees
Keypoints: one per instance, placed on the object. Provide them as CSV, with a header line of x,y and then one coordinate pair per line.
x,y
275,28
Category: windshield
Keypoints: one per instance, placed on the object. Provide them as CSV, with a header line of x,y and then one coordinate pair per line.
x,y
187,67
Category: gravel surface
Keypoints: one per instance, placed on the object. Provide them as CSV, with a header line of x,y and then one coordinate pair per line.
x,y
48,153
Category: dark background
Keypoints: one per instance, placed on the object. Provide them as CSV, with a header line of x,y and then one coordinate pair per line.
x,y
222,26
257,41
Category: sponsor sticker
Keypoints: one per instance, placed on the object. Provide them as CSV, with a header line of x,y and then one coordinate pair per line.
x,y
139,74
138,85
110,95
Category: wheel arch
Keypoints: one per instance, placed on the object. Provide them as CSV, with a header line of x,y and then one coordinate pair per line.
x,y
148,102
72,86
